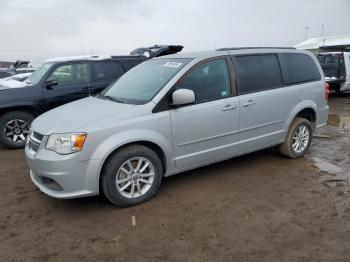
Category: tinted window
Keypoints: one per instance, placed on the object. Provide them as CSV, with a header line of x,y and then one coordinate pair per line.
x,y
71,74
209,81
301,68
107,71
257,73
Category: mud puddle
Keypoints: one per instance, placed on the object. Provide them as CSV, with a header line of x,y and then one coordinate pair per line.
x,y
342,122
331,155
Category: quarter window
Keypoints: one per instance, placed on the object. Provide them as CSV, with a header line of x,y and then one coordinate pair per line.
x,y
257,73
71,74
209,81
107,71
301,68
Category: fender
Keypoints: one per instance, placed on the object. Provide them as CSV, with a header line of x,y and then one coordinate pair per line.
x,y
19,106
298,108
107,147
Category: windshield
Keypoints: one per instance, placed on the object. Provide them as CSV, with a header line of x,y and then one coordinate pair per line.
x,y
35,77
143,82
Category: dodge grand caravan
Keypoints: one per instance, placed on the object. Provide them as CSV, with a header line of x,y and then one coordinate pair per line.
x,y
176,113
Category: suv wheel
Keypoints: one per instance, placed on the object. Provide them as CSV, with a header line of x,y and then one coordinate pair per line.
x,y
131,176
298,139
14,128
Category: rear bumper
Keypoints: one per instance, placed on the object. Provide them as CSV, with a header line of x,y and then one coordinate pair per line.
x,y
63,176
322,116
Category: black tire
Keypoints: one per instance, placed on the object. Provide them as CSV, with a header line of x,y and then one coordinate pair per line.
x,y
110,170
10,116
286,148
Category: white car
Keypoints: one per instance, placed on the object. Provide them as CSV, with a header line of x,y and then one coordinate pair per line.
x,y
18,77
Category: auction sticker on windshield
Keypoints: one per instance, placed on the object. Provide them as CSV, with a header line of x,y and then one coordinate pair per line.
x,y
172,64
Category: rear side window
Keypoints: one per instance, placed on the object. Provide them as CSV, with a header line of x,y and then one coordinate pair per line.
x,y
107,71
300,68
257,73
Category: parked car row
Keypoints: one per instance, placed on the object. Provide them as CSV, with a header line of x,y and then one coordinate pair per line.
x,y
164,116
59,81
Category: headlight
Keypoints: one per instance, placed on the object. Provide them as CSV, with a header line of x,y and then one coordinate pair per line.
x,y
66,143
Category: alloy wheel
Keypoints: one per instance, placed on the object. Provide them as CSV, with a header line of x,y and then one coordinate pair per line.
x,y
301,139
16,130
135,177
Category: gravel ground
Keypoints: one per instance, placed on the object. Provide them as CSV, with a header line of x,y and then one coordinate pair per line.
x,y
258,207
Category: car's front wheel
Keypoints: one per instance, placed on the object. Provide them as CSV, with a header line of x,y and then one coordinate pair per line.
x,y
131,176
14,128
298,138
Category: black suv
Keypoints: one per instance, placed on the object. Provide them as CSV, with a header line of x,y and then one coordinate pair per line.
x,y
59,81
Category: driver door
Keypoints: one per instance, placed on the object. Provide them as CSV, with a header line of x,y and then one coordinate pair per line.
x,y
207,130
71,82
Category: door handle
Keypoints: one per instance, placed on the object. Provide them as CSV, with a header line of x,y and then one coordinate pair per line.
x,y
229,107
249,103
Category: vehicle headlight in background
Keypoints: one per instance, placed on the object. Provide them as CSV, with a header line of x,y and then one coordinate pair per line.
x,y
66,143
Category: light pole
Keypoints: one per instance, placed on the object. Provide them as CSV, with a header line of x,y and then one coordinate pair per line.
x,y
306,29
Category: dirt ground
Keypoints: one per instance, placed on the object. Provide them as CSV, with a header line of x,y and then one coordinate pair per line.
x,y
259,207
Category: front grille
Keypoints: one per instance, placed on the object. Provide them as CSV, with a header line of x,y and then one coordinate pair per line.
x,y
34,141
38,136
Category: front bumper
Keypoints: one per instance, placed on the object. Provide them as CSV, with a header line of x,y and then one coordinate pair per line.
x,y
63,176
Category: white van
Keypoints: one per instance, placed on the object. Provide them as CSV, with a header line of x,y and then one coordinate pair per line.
x,y
336,68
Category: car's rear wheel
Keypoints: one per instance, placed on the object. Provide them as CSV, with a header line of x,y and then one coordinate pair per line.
x,y
14,128
131,176
298,138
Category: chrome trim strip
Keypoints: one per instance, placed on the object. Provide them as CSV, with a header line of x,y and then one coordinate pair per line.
x,y
229,133
259,126
208,138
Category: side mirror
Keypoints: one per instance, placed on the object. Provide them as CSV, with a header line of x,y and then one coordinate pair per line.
x,y
50,82
183,97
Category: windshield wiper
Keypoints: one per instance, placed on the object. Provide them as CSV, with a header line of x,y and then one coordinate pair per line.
x,y
111,98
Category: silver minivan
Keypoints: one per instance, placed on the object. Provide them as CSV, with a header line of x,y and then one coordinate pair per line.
x,y
176,113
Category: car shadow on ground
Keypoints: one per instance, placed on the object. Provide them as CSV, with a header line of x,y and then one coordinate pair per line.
x,y
182,181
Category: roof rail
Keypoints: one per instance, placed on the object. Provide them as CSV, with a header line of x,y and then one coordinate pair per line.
x,y
252,47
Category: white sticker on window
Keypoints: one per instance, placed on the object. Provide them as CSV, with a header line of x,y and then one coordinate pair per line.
x,y
172,64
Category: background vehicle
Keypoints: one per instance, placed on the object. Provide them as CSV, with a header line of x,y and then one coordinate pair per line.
x,y
18,77
336,68
59,81
18,67
14,81
176,113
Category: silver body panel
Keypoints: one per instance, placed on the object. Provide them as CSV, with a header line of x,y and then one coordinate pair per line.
x,y
189,137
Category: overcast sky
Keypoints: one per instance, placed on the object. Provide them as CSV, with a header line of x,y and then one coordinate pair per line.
x,y
41,29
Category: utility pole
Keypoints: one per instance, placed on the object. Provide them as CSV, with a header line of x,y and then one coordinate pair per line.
x,y
306,29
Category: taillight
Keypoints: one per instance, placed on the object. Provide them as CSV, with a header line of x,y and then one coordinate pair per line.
x,y
326,91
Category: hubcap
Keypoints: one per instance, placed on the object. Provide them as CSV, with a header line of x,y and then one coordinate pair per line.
x,y
16,130
301,139
135,177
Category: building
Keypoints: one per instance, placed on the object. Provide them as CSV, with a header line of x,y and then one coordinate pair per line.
x,y
340,43
4,64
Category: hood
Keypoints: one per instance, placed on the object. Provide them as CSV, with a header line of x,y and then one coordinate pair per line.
x,y
157,50
10,83
76,116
